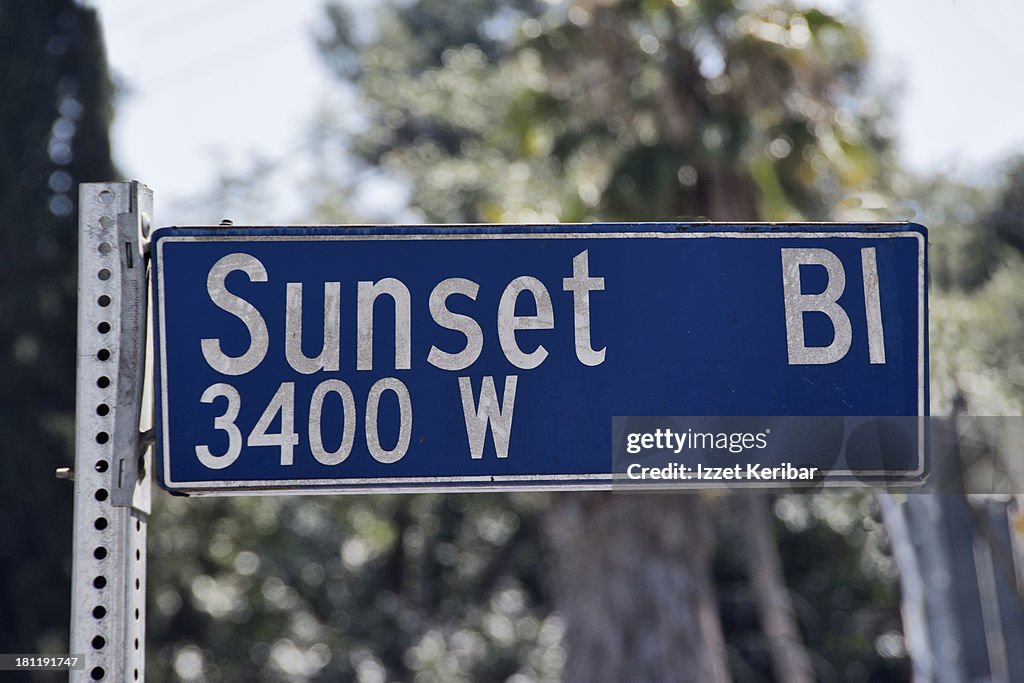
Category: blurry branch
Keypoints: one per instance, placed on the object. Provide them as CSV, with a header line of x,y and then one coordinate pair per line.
x,y
500,562
913,606
790,661
391,576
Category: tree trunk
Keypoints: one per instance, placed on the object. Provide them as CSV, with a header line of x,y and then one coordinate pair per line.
x,y
913,605
634,586
790,661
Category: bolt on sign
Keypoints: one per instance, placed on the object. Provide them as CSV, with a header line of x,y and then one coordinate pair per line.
x,y
444,358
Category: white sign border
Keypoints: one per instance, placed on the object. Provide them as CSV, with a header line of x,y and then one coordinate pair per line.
x,y
477,483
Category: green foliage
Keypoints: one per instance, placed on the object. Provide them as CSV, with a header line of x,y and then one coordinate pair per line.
x,y
1006,218
977,295
54,112
641,111
963,251
842,580
632,111
446,588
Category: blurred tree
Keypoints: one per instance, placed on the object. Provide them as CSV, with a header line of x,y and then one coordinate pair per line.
x,y
436,588
482,110
963,253
54,115
527,112
1006,218
612,110
956,555
977,307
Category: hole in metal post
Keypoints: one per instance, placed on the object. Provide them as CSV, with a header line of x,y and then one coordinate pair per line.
x,y
104,274
102,409
104,247
100,523
103,327
101,495
99,582
103,382
102,437
102,465
103,354
99,611
106,196
97,673
104,300
100,553
98,642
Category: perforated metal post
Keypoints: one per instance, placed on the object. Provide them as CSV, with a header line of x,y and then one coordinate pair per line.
x,y
112,483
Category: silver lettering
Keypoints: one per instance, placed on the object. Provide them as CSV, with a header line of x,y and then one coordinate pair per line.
x,y
330,354
240,308
368,293
581,284
796,304
455,321
488,412
509,322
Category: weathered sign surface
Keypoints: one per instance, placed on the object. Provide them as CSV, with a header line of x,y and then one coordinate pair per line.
x,y
495,357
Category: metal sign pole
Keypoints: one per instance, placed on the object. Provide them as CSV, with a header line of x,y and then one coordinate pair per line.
x,y
112,482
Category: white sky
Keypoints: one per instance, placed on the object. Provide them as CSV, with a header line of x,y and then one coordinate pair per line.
x,y
214,83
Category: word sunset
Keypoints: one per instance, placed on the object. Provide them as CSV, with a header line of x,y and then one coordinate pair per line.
x,y
454,358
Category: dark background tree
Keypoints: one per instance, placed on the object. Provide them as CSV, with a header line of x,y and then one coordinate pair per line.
x,y
55,98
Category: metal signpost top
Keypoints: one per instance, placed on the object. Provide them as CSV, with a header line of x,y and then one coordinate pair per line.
x,y
443,358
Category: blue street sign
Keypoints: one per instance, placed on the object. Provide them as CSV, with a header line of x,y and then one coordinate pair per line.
x,y
439,358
